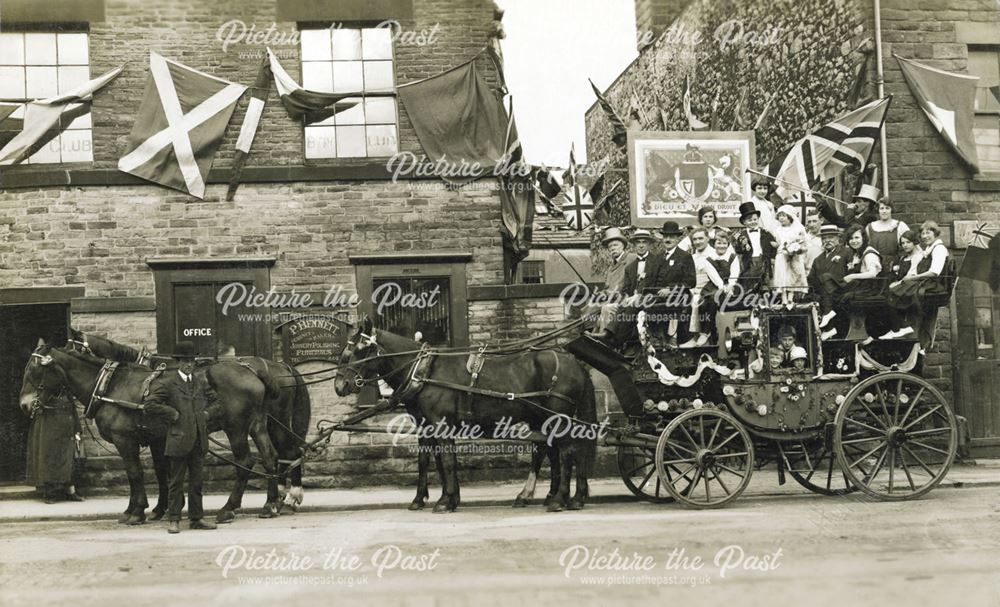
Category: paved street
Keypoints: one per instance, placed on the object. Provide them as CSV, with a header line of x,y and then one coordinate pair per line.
x,y
792,549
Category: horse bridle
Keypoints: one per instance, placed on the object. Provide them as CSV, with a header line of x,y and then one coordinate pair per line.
x,y
365,341
41,388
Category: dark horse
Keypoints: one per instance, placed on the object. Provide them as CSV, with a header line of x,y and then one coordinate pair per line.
x,y
556,385
238,411
286,404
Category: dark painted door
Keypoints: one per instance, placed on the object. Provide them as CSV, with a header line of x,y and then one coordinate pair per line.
x,y
21,326
977,369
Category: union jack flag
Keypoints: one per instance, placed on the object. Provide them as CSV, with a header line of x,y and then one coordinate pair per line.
x,y
982,258
824,153
578,207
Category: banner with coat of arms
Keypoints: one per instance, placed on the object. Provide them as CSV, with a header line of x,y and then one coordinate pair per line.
x,y
672,174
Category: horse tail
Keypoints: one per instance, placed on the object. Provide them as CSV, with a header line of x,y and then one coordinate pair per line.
x,y
272,389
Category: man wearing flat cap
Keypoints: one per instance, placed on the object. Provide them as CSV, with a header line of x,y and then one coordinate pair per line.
x,y
187,436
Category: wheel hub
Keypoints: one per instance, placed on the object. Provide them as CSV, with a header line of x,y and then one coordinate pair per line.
x,y
897,436
705,458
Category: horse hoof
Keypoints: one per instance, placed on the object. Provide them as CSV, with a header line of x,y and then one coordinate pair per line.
x,y
123,518
549,498
416,505
225,516
268,512
156,515
443,508
520,502
554,507
575,505
136,519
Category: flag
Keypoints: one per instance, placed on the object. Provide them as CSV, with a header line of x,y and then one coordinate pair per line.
x,y
713,120
495,54
982,257
738,112
948,101
577,203
180,124
251,120
860,82
458,121
618,129
569,175
693,123
42,115
314,106
824,153
517,202
764,113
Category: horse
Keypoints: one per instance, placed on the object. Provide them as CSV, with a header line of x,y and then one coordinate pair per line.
x,y
541,388
286,403
238,411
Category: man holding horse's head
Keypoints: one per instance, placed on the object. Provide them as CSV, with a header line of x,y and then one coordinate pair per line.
x,y
187,437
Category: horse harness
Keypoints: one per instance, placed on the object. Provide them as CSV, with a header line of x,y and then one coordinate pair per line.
x,y
104,380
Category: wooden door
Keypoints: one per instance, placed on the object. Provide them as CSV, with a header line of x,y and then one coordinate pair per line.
x,y
199,318
977,363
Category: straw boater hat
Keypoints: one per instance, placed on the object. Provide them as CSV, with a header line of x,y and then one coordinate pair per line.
x,y
613,234
642,234
829,230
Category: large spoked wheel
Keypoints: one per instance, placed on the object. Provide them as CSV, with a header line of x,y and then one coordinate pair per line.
x,y
704,458
895,436
814,465
637,466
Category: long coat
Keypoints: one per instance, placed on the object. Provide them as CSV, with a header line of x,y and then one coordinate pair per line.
x,y
51,444
189,430
614,279
833,264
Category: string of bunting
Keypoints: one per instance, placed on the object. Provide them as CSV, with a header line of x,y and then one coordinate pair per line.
x,y
663,373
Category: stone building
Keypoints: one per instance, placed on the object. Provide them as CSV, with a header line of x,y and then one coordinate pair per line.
x,y
86,245
806,55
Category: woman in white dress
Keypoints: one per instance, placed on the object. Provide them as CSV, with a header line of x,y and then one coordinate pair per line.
x,y
789,262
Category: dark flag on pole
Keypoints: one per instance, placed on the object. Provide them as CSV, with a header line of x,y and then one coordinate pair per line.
x,y
618,129
982,258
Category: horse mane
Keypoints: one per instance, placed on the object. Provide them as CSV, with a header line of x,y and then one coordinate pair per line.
x,y
111,349
98,361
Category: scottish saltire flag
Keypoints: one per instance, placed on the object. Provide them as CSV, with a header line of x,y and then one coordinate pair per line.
x,y
251,121
180,124
824,153
41,117
948,100
982,257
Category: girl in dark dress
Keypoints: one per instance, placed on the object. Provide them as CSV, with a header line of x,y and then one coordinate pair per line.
x,y
908,258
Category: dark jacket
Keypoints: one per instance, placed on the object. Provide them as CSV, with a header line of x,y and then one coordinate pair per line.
x,y
632,283
677,271
744,248
189,430
848,217
833,264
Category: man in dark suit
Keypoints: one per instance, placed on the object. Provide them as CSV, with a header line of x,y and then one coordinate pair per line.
x,y
756,248
671,277
187,436
826,277
639,270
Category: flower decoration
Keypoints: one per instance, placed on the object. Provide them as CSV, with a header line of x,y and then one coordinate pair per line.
x,y
869,397
761,409
903,399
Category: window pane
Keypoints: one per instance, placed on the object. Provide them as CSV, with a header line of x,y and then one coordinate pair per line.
x,y
346,44
46,154
382,140
41,82
355,115
380,110
347,77
72,76
321,142
78,115
72,49
76,146
433,321
40,49
316,76
378,76
351,142
315,45
11,49
377,43
12,83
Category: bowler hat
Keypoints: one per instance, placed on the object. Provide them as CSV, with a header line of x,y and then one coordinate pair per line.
x,y
185,350
642,234
613,234
746,209
671,228
829,230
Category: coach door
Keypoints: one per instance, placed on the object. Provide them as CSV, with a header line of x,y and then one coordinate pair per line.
x,y
977,356
21,326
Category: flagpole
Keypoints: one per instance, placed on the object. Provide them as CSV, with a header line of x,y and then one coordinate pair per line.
x,y
797,187
881,93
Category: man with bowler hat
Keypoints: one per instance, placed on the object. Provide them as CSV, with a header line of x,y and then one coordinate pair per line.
x,y
187,436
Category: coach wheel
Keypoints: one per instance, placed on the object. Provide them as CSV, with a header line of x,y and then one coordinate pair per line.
x,y
895,436
637,466
813,464
704,458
